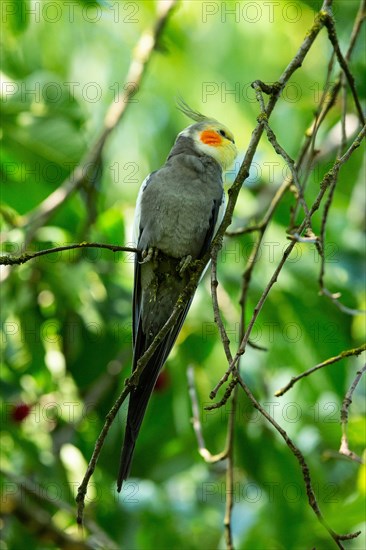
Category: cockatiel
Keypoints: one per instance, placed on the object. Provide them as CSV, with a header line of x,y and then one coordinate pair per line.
x,y
178,211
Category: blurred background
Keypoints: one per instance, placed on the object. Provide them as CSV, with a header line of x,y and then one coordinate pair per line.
x,y
66,317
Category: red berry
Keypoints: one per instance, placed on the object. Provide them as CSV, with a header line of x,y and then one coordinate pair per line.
x,y
19,412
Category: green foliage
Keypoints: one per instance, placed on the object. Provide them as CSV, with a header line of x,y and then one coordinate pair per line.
x,y
66,317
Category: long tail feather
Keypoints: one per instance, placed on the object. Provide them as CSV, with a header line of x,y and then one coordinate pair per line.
x,y
139,399
156,305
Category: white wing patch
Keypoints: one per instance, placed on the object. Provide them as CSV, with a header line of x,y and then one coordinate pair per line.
x,y
220,213
137,218
220,216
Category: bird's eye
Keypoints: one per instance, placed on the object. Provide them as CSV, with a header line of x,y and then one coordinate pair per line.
x,y
222,133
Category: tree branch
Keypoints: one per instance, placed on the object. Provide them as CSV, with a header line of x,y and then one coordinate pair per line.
x,y
18,260
275,90
326,182
332,34
303,465
342,355
230,473
202,449
243,173
229,453
344,448
215,303
327,101
82,489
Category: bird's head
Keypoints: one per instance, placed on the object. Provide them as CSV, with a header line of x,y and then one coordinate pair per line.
x,y
209,136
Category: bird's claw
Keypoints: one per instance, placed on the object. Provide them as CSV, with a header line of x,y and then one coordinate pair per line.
x,y
184,264
148,255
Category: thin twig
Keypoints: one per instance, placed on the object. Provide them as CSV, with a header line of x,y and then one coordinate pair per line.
x,y
330,361
276,89
327,101
18,260
82,489
321,240
326,182
277,147
261,226
309,238
303,465
334,297
247,274
230,473
325,106
229,453
344,448
229,389
332,34
202,449
242,231
360,18
343,142
217,315
308,152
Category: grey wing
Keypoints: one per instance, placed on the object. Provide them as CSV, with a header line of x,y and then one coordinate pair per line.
x,y
217,215
136,311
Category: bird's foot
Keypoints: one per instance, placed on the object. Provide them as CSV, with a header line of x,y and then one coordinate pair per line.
x,y
149,254
184,264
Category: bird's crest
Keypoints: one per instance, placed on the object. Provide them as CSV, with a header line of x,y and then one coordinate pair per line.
x,y
184,108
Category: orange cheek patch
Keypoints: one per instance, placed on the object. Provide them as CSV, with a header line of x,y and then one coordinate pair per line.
x,y
209,137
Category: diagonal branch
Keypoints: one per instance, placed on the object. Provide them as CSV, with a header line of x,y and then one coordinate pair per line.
x,y
332,34
290,163
344,448
275,90
327,101
342,355
303,465
229,453
326,182
82,489
202,449
243,173
215,303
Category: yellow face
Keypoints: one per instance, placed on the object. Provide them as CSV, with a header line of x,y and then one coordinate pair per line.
x,y
217,141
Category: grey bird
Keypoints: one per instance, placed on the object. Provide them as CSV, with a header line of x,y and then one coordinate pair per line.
x,y
178,211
